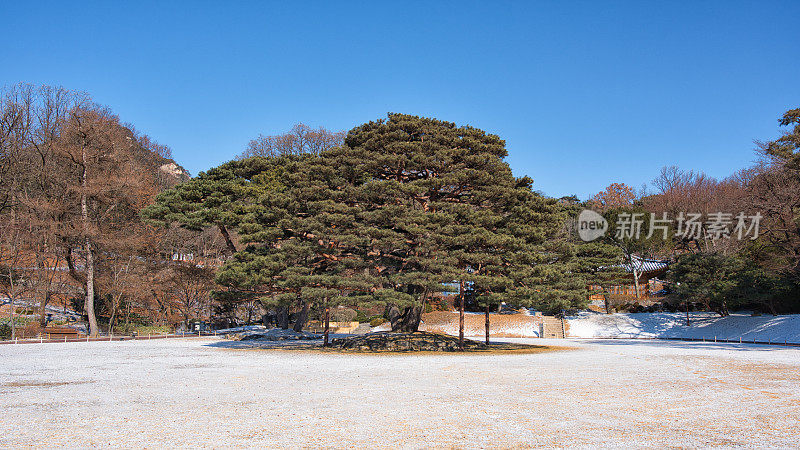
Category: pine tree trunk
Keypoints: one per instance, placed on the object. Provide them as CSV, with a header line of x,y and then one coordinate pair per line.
x,y
771,306
411,318
283,317
487,324
327,323
393,314
461,316
302,317
407,322
228,241
687,313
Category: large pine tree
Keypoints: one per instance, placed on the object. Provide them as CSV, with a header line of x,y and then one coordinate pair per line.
x,y
404,206
412,180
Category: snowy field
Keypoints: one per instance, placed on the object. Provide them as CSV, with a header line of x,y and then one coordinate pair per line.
x,y
765,328
196,393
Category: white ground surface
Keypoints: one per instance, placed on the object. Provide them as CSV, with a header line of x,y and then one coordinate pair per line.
x,y
703,326
192,392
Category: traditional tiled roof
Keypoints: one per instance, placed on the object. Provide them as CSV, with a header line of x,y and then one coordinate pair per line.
x,y
644,265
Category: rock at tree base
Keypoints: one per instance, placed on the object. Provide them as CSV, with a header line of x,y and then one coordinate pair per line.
x,y
404,342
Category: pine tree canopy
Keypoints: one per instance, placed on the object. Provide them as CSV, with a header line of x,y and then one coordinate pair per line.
x,y
406,204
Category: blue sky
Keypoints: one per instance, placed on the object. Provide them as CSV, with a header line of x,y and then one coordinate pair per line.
x,y
584,93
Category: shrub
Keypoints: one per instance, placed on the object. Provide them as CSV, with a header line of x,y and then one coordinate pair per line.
x,y
362,317
141,329
5,331
29,330
343,315
377,321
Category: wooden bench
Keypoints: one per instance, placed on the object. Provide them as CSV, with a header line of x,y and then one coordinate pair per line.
x,y
60,333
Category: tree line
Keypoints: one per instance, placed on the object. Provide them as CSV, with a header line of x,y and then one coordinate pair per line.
x,y
384,218
73,182
717,270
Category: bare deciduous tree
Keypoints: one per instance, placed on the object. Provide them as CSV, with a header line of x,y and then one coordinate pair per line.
x,y
616,195
301,139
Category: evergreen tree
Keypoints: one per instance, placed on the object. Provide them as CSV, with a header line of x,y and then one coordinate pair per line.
x,y
225,197
407,204
710,278
419,184
502,240
247,201
438,203
787,147
775,193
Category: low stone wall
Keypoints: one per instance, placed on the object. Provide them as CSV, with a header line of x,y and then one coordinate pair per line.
x,y
500,325
318,326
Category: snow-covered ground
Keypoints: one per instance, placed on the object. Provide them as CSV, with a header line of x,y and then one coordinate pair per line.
x,y
54,312
242,329
763,328
200,393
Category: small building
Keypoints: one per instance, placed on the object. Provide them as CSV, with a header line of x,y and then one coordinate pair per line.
x,y
651,274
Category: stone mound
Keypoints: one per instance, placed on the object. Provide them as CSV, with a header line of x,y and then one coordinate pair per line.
x,y
274,334
404,342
